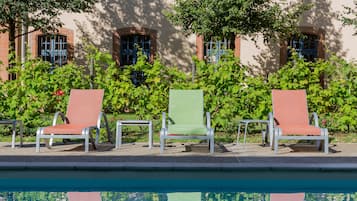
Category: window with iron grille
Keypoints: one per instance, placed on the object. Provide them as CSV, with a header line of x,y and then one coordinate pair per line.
x,y
306,46
214,49
130,45
53,48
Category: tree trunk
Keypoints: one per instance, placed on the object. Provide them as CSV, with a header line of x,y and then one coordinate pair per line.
x,y
12,48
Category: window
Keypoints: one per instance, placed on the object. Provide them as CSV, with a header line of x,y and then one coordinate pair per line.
x,y
305,46
309,46
214,49
130,45
211,50
127,42
53,48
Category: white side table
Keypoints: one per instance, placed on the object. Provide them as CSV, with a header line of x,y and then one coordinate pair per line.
x,y
121,123
245,122
14,122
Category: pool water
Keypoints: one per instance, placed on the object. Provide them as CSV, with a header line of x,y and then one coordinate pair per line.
x,y
175,196
178,185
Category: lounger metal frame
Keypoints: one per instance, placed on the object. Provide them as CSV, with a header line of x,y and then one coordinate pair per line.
x,y
209,134
276,134
86,132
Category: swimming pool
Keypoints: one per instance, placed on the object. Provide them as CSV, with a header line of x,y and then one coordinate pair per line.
x,y
178,178
331,181
174,196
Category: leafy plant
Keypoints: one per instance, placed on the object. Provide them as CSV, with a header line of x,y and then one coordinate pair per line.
x,y
222,84
38,90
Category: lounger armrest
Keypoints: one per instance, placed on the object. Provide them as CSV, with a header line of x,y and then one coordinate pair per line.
x,y
314,119
208,119
63,117
99,121
163,125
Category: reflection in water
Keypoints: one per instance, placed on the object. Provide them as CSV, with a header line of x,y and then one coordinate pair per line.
x,y
174,196
287,196
84,196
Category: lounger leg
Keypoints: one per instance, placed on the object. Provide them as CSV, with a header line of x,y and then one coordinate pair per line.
x,y
275,144
326,141
150,135
271,136
238,133
13,134
245,132
86,143
21,132
212,143
162,144
118,135
50,142
38,140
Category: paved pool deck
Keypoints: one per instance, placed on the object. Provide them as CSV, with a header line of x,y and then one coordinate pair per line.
x,y
179,156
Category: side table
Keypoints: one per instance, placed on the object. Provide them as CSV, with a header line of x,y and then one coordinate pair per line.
x,y
14,122
245,122
121,123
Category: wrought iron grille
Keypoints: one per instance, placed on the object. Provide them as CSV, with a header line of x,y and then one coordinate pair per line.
x,y
129,46
305,46
53,48
214,49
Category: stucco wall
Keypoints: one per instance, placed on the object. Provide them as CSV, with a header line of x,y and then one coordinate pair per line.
x,y
97,27
176,49
324,15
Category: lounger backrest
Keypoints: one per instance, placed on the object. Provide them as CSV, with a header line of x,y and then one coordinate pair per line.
x,y
186,107
290,107
84,106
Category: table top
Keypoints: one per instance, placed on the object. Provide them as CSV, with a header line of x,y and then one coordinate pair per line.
x,y
134,121
246,121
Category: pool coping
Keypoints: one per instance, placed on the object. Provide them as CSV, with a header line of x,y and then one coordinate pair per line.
x,y
177,163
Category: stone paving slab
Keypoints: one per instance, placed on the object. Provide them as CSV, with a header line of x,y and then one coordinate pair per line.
x,y
176,156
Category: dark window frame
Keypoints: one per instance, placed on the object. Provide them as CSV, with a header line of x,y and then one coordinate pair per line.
x,y
129,31
306,46
320,33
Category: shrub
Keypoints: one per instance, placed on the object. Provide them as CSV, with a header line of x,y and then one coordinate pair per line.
x,y
222,84
39,90
335,100
147,100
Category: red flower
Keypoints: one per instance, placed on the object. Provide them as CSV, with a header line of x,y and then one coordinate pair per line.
x,y
59,92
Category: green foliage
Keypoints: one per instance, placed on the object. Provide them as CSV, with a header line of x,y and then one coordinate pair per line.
x,y
222,84
255,99
151,98
331,88
227,18
37,15
39,90
230,92
147,100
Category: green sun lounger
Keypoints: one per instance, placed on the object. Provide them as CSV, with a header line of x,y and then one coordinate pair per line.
x,y
186,118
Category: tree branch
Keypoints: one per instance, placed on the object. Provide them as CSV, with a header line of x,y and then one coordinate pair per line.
x,y
22,34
